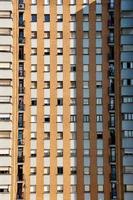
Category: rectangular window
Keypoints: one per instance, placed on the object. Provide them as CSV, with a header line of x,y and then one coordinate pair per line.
x,y
73,118
34,18
59,18
47,18
86,118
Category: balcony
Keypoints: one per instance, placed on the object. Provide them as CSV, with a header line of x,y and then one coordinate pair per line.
x,y
20,177
110,56
21,106
111,5
21,73
111,40
111,124
112,158
21,90
111,71
111,90
20,141
113,177
21,6
21,159
111,23
21,40
21,23
113,194
111,107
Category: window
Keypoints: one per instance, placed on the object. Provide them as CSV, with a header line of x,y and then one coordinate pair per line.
x,y
73,101
98,50
73,118
34,18
73,170
98,34
128,188
73,34
4,117
5,82
86,152
32,188
73,68
46,170
99,84
46,188
47,34
127,65
73,152
33,152
99,135
33,34
47,18
73,188
33,118
100,188
127,116
59,188
60,101
4,152
47,51
47,101
33,135
4,188
85,84
73,136
86,118
85,34
73,51
86,188
47,84
98,18
60,153
99,170
59,68
59,34
128,169
73,84
86,135
47,153
47,68
128,133
127,82
47,135
59,118
99,118
5,134
128,99
34,84
34,51
4,170
85,51
59,170
85,101
86,170
46,118
59,84
73,17
98,68
5,14
99,152
60,51
85,17
59,135
5,48
33,170
85,68
5,31
59,18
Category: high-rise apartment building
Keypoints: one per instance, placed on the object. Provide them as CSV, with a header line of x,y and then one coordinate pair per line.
x,y
66,99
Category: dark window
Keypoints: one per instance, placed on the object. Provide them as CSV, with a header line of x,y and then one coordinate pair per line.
x,y
59,102
47,18
33,102
59,170
34,18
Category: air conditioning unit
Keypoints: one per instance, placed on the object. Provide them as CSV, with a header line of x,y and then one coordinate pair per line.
x,y
21,6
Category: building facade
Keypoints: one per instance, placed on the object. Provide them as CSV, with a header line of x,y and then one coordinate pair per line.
x,y
66,100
